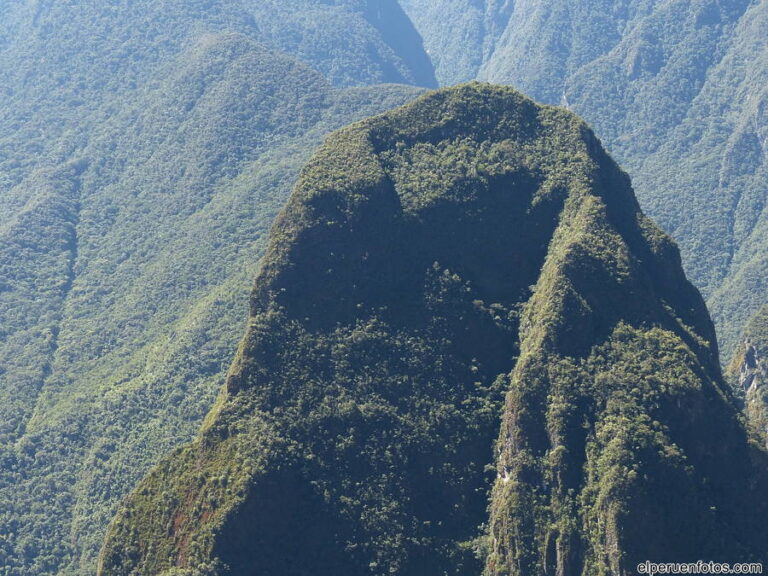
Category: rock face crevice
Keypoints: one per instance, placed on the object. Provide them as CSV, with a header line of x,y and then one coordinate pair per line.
x,y
461,304
748,375
752,371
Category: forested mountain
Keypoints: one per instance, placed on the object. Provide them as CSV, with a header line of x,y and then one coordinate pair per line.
x,y
467,263
676,90
145,148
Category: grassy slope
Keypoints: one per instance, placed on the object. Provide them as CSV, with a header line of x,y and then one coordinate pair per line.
x,y
146,149
354,434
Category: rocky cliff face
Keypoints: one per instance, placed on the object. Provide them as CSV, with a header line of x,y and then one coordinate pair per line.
x,y
751,371
748,374
461,303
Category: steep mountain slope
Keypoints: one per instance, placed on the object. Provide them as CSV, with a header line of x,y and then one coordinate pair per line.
x,y
145,149
748,373
469,246
675,89
459,35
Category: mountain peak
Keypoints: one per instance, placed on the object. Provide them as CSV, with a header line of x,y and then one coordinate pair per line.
x,y
461,301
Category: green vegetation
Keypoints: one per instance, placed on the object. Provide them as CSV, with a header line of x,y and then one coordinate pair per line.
x,y
469,262
145,149
459,35
676,90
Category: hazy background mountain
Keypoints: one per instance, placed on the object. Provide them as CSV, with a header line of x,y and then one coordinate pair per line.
x,y
145,149
676,90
